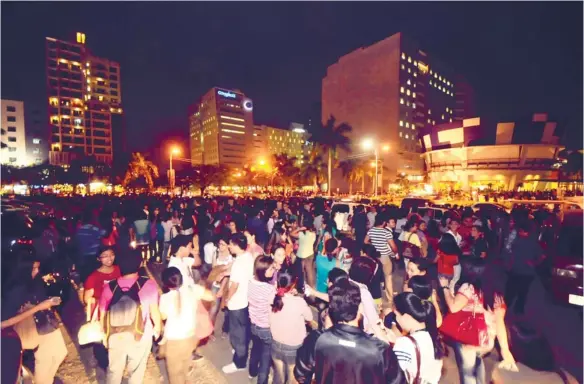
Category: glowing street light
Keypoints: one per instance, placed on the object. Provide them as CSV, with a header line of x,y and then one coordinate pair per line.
x,y
368,144
173,151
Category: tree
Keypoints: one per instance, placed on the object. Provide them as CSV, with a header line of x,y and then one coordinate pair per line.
x,y
313,170
331,138
352,171
205,175
285,167
139,168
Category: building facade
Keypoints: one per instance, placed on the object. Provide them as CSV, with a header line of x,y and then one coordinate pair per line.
x,y
277,141
221,128
84,92
36,135
13,136
465,155
390,91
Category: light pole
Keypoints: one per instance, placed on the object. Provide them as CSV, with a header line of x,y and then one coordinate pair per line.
x,y
173,151
369,144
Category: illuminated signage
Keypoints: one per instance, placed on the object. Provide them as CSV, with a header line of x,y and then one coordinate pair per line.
x,y
227,94
248,105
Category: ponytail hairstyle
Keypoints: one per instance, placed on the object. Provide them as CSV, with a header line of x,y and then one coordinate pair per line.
x,y
421,286
285,285
172,280
422,311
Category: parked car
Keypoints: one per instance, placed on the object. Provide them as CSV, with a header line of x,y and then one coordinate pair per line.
x,y
413,203
435,213
489,207
342,211
567,261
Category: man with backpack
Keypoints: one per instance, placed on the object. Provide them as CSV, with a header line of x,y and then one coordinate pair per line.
x,y
130,318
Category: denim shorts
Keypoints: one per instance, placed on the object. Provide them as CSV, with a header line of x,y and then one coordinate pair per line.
x,y
286,353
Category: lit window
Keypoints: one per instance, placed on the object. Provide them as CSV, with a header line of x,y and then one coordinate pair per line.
x,y
407,124
400,134
439,87
429,112
408,103
415,74
407,136
452,84
413,127
36,141
433,122
435,75
401,101
407,92
401,123
451,119
431,72
414,95
409,82
401,89
403,66
409,59
403,56
442,117
429,121
446,109
451,111
440,78
414,105
415,63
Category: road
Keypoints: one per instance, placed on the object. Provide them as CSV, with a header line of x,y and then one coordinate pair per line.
x,y
562,325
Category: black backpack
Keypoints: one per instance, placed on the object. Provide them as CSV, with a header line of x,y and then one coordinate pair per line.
x,y
124,313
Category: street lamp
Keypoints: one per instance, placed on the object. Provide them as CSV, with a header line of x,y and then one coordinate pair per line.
x,y
173,151
369,144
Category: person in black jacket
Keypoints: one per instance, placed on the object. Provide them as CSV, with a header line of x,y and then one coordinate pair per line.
x,y
344,353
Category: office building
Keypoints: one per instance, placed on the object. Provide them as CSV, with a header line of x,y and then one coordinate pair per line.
x,y
221,128
475,155
277,141
84,93
13,136
36,134
389,92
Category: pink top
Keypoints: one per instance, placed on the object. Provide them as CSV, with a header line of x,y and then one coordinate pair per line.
x,y
148,295
288,325
255,250
260,296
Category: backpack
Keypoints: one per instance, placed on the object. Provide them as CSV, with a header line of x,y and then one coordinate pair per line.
x,y
124,313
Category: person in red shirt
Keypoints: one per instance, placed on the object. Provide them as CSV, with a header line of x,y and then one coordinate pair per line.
x,y
101,276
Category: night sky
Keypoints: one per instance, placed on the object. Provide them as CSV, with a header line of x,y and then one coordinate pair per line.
x,y
520,57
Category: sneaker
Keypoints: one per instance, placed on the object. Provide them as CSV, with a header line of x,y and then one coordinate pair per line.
x,y
231,368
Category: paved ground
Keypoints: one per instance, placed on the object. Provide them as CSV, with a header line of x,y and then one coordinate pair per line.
x,y
561,324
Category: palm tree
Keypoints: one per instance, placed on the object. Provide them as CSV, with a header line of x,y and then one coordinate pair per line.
x,y
140,167
206,175
351,172
330,138
313,170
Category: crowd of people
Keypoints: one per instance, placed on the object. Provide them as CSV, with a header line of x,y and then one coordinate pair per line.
x,y
297,296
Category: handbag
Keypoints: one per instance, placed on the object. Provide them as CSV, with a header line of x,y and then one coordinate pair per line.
x,y
417,379
465,327
27,331
91,331
410,250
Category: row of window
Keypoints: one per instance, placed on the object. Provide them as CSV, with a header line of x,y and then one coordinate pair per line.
x,y
407,136
407,124
441,88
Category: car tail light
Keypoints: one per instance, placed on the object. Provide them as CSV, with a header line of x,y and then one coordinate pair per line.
x,y
24,242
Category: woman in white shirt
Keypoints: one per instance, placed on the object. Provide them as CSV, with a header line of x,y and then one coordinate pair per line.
x,y
179,308
181,249
418,318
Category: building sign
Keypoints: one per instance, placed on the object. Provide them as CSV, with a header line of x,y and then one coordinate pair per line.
x,y
229,95
248,105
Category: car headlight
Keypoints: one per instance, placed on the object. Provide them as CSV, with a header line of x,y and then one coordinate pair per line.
x,y
565,273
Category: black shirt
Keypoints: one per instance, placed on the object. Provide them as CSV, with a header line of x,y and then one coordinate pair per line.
x,y
374,285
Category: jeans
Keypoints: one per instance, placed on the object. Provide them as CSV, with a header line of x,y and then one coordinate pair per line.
x,y
125,350
260,356
517,288
471,367
214,311
284,357
239,330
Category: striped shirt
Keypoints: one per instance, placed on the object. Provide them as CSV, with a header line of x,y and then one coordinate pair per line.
x,y
260,298
379,237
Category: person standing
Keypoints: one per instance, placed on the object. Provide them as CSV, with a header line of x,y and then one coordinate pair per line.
x,y
382,240
453,227
237,302
526,254
306,239
344,353
260,297
359,224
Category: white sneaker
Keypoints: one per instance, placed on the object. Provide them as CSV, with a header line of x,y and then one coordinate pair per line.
x,y
231,368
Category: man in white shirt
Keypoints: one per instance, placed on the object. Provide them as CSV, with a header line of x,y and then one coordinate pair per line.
x,y
236,299
181,249
453,230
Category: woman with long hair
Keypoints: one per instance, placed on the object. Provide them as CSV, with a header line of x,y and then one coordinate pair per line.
x,y
536,361
448,256
411,244
417,318
178,306
288,327
23,291
326,261
260,297
478,295
279,236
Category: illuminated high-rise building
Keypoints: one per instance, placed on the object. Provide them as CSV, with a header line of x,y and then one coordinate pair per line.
x,y
391,91
221,128
13,134
85,103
